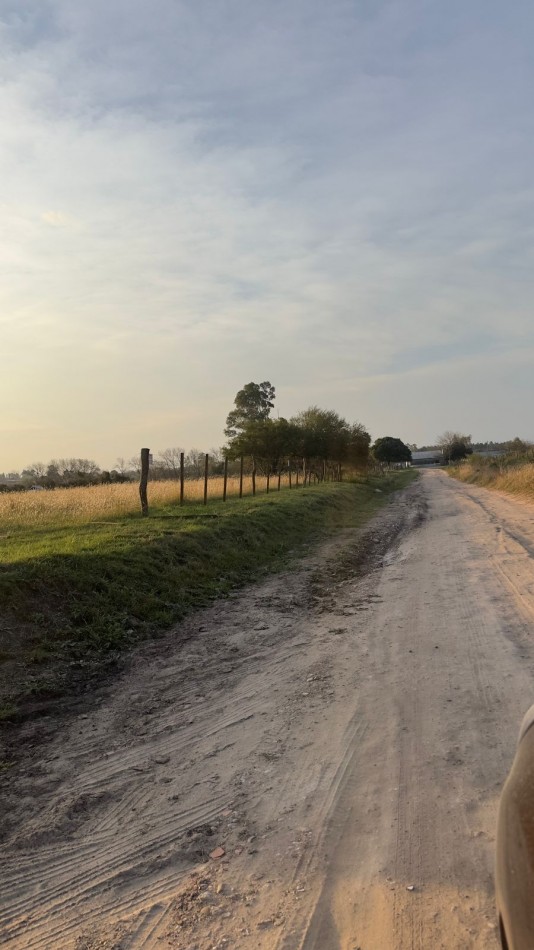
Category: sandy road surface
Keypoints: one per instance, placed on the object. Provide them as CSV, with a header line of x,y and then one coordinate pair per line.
x,y
342,731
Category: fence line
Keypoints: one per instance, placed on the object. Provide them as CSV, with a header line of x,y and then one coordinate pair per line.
x,y
284,477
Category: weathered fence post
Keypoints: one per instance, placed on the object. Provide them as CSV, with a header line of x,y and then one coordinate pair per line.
x,y
181,478
253,479
206,464
225,481
268,478
145,463
241,477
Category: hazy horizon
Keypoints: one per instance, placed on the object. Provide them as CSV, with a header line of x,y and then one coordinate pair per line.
x,y
128,457
335,198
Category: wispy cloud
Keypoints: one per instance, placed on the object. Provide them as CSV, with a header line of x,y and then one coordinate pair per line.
x,y
200,194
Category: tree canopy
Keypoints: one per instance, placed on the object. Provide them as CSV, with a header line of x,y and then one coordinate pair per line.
x,y
253,403
455,446
317,436
389,449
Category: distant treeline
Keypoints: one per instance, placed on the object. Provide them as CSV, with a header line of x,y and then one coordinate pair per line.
x,y
315,438
510,445
76,472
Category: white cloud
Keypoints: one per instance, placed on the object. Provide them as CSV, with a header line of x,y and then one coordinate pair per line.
x,y
202,194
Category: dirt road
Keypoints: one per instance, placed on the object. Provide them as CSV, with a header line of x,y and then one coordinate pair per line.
x,y
340,732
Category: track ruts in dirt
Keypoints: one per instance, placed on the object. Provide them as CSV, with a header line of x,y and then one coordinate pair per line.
x,y
340,732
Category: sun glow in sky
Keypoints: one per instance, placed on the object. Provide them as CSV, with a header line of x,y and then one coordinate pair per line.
x,y
337,197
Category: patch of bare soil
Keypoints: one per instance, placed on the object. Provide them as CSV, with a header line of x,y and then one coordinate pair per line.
x,y
314,763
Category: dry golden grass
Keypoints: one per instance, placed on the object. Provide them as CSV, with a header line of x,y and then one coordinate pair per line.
x,y
515,479
84,505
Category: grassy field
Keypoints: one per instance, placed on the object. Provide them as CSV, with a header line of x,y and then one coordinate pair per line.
x,y
75,591
82,505
508,474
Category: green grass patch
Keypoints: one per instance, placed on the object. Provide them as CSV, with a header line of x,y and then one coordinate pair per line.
x,y
71,594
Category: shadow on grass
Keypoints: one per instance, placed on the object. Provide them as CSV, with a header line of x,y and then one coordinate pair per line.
x,y
116,588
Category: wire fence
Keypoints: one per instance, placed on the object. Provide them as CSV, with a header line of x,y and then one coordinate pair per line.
x,y
293,474
89,504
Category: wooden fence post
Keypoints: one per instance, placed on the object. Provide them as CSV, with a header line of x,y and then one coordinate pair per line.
x,y
279,479
241,477
206,463
181,478
268,478
145,463
254,480
225,482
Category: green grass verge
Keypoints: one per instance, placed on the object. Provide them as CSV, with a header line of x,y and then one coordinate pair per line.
x,y
72,594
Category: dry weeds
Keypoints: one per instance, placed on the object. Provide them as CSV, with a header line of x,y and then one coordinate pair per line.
x,y
85,505
515,479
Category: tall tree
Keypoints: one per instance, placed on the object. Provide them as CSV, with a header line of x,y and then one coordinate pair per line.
x,y
388,449
324,434
36,470
268,442
253,403
194,462
169,459
517,446
358,447
455,446
326,437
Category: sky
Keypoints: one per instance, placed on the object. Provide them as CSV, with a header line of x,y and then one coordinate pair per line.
x,y
195,194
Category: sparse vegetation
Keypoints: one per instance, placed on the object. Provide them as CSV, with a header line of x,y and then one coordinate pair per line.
x,y
512,473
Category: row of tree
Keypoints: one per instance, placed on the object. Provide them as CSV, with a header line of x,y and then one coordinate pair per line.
x,y
456,446
316,437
